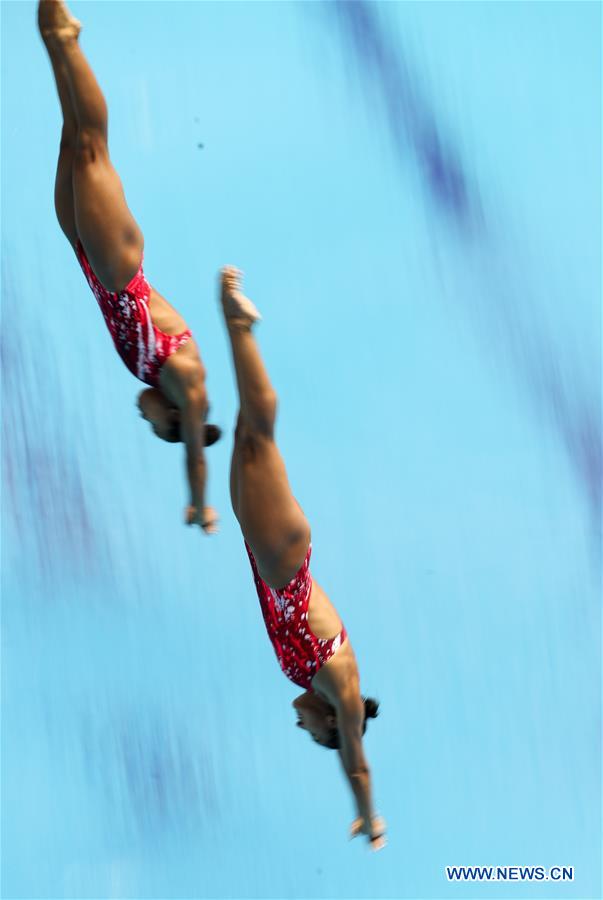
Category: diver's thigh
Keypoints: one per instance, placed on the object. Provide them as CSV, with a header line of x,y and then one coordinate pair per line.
x,y
272,521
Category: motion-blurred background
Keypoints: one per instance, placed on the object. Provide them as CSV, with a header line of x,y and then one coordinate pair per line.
x,y
413,191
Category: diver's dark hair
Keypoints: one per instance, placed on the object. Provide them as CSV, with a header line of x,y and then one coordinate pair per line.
x,y
371,711
212,434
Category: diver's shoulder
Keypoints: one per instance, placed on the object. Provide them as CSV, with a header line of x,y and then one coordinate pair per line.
x,y
339,675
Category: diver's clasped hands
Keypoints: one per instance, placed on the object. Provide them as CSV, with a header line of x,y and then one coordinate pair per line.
x,y
374,830
205,517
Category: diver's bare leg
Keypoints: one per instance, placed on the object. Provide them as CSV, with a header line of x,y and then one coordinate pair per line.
x,y
271,520
112,239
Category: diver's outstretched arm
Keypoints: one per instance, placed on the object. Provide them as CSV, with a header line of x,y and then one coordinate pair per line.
x,y
181,382
350,719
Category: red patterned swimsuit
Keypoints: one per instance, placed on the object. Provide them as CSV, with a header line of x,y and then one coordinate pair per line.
x,y
141,345
299,652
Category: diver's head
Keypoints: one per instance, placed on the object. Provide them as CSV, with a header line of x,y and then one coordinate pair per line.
x,y
164,417
159,412
316,716
319,718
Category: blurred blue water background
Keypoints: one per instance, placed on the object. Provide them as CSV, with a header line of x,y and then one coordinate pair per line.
x,y
413,191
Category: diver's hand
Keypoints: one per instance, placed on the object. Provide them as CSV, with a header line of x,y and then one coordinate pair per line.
x,y
205,517
374,830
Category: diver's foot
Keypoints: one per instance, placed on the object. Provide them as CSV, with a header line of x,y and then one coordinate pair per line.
x,y
56,23
238,309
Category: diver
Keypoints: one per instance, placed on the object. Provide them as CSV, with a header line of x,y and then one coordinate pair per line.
x,y
151,337
309,638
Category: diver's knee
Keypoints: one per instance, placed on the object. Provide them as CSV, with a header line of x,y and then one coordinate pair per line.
x,y
90,146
